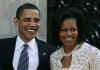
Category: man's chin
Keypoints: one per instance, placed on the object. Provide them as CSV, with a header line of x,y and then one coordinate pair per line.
x,y
29,38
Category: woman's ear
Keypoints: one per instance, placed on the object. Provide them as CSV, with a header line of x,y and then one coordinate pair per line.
x,y
16,22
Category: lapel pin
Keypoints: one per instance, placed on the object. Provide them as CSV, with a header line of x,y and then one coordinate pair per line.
x,y
44,53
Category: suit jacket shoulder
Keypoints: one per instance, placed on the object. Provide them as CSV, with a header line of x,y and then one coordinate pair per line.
x,y
45,47
6,52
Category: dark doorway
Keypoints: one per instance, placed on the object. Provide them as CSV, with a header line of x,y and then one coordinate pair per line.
x,y
92,10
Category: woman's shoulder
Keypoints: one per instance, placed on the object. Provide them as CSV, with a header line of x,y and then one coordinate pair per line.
x,y
89,48
57,52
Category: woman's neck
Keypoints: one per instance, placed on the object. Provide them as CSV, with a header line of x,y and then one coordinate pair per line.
x,y
68,49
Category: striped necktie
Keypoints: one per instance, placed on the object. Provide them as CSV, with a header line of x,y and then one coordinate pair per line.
x,y
24,59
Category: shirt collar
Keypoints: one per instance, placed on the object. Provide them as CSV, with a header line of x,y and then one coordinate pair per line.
x,y
32,43
20,43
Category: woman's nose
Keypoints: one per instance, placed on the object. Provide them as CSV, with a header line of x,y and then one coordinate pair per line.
x,y
69,33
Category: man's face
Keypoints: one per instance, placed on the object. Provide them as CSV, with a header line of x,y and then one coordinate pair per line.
x,y
28,24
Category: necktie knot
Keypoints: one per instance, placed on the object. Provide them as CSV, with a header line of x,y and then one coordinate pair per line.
x,y
26,45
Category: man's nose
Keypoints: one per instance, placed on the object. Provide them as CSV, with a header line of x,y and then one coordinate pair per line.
x,y
31,22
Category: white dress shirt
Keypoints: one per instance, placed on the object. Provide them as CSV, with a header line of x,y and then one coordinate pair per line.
x,y
32,52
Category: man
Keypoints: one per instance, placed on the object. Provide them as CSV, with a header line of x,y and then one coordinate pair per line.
x,y
27,21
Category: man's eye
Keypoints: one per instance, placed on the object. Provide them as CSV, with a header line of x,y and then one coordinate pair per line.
x,y
27,19
36,20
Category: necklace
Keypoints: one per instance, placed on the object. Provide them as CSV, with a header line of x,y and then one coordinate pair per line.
x,y
69,54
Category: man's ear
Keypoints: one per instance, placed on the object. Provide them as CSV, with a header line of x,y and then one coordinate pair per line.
x,y
16,22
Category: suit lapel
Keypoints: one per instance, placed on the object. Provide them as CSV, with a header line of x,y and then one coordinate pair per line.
x,y
41,52
13,42
39,49
44,55
12,48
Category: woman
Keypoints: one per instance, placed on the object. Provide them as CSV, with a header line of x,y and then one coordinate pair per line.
x,y
75,53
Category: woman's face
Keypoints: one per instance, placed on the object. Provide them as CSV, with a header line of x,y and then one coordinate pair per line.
x,y
69,32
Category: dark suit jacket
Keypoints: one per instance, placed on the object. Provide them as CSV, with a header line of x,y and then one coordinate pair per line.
x,y
7,47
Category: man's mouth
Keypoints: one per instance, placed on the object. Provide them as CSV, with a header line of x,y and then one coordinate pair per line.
x,y
31,30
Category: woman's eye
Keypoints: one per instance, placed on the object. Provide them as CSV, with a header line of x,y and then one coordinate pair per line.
x,y
73,29
64,30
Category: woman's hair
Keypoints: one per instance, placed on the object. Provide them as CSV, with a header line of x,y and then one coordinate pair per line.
x,y
66,13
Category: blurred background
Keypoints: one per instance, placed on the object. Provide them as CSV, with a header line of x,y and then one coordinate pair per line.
x,y
8,11
90,8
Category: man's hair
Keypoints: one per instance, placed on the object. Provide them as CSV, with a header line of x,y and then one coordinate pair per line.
x,y
25,6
